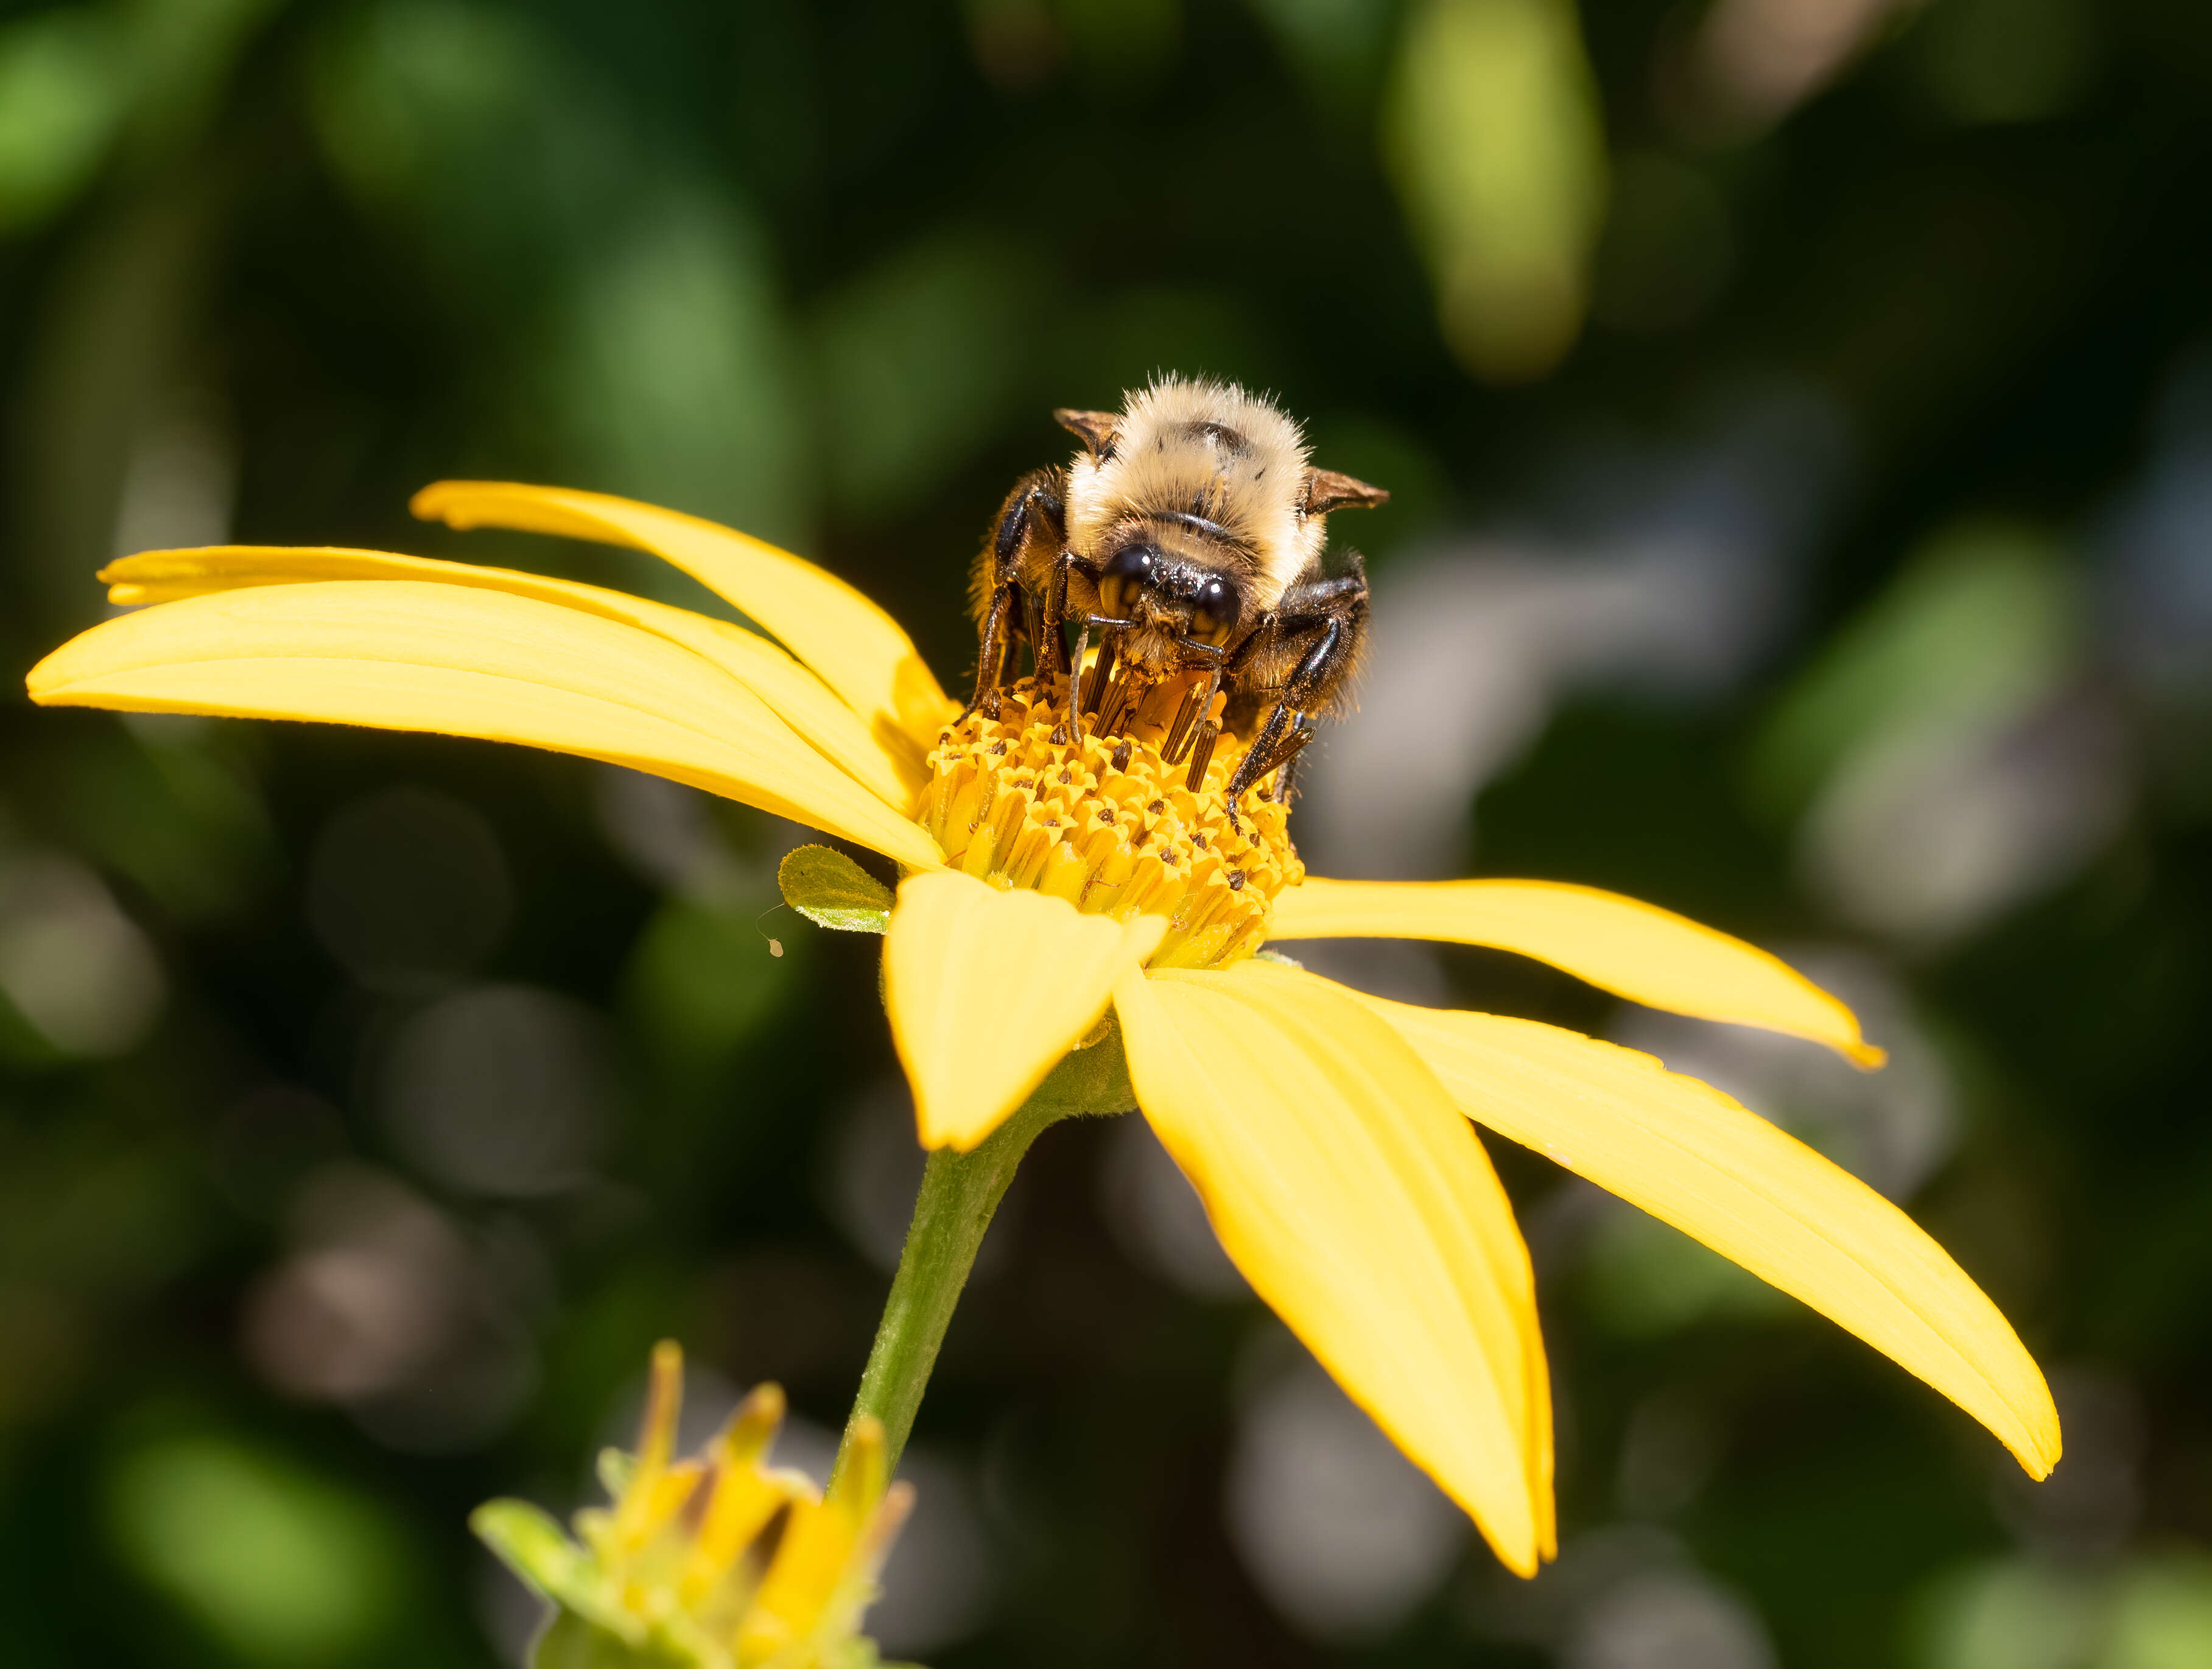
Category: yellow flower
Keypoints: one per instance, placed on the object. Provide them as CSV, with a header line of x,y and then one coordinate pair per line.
x,y
721,1561
1047,878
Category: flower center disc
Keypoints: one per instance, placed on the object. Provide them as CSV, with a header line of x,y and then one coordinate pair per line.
x,y
1110,826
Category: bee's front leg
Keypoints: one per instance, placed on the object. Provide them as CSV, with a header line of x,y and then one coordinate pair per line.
x,y
1283,753
1331,644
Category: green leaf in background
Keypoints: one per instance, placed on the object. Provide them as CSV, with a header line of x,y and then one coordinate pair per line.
x,y
1979,627
278,1564
1495,133
923,360
63,90
830,891
702,980
2152,1612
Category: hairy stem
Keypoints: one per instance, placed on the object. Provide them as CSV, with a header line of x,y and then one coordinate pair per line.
x,y
959,1194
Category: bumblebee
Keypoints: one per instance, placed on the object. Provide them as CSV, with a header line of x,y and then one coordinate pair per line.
x,y
1188,536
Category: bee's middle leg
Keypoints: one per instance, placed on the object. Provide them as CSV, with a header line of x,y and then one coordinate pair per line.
x,y
992,653
1033,514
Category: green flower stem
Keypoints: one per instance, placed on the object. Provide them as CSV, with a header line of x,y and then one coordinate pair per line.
x,y
959,1194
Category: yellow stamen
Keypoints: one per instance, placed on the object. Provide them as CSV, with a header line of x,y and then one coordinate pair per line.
x,y
741,1499
818,1546
718,1561
1109,825
646,1502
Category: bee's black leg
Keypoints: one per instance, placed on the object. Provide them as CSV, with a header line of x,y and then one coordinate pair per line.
x,y
1294,751
1033,514
1033,629
991,655
1254,766
1284,757
1052,643
1320,668
1260,636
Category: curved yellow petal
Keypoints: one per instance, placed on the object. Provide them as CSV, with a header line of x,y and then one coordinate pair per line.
x,y
799,698
1690,1156
989,989
860,651
1361,1208
1490,1213
400,654
1633,950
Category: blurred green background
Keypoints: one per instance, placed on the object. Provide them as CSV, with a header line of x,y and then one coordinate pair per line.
x,y
1799,417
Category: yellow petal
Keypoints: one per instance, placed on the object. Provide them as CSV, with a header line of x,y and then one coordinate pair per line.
x,y
989,989
1690,1156
858,650
1635,950
799,698
1361,1208
399,654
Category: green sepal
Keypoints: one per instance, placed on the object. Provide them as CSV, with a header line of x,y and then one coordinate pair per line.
x,y
532,1545
830,891
1093,1079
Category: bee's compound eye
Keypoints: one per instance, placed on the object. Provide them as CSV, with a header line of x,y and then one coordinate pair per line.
x,y
1215,616
1128,573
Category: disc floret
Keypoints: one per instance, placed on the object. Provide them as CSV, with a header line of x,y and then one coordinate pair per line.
x,y
1108,823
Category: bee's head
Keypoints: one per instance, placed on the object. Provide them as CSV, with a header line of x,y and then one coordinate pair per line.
x,y
1154,584
1198,497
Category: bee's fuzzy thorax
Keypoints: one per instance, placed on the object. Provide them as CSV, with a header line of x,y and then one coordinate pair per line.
x,y
1207,449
